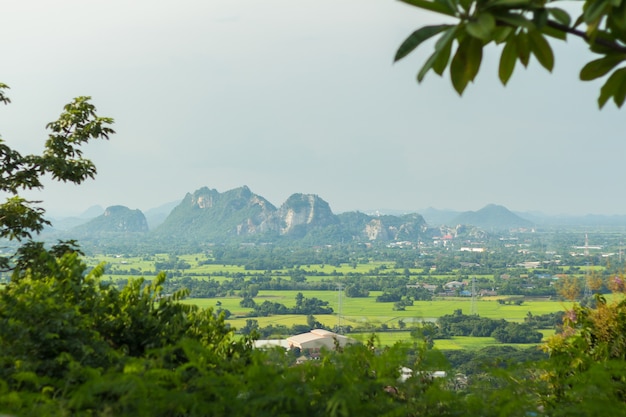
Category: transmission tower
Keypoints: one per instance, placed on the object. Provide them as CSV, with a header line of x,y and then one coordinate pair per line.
x,y
339,291
473,309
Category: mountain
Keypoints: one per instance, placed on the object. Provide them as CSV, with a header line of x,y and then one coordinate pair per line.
x,y
115,219
302,213
436,217
208,215
240,215
588,220
60,223
91,212
492,217
361,226
156,216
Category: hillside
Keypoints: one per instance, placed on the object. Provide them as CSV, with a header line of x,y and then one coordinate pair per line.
x,y
115,219
492,217
208,216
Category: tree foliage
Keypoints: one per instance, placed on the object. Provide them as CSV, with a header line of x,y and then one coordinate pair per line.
x,y
62,159
522,29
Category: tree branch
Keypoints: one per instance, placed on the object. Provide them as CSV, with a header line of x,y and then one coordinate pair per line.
x,y
583,35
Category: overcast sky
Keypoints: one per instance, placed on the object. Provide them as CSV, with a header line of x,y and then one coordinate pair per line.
x,y
289,96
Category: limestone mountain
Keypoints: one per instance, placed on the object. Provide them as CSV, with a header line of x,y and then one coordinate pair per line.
x,y
361,226
239,215
492,217
115,219
303,212
208,215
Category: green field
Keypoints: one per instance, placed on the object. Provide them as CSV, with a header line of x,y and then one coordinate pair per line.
x,y
366,313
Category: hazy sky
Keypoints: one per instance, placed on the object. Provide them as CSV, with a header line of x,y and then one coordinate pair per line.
x,y
289,96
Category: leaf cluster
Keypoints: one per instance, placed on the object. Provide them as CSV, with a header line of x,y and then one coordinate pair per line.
x,y
62,159
522,27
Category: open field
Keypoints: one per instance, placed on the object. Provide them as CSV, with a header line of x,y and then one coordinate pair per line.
x,y
367,309
139,265
366,313
361,313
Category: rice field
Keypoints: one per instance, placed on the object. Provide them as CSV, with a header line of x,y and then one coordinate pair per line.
x,y
361,313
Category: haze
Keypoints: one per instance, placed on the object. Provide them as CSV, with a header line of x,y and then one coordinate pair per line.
x,y
289,96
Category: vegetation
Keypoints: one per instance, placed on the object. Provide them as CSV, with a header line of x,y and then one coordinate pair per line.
x,y
73,344
522,27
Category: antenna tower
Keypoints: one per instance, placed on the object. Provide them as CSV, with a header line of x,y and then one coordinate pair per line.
x,y
587,290
473,309
339,291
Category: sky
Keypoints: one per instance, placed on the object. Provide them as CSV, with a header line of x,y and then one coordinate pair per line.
x,y
290,96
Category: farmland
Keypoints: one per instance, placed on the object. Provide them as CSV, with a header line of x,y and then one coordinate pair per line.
x,y
362,315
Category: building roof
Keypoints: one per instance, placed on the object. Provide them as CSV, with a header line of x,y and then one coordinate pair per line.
x,y
316,339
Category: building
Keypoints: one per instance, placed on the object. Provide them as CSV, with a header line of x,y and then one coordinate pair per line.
x,y
317,339
310,343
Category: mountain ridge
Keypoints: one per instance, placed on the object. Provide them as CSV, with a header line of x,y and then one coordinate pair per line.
x,y
239,215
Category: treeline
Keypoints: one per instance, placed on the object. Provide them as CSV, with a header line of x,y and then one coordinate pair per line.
x,y
238,284
304,306
459,324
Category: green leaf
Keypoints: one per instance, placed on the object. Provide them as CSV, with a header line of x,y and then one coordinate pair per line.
x,y
523,48
560,15
507,61
466,63
439,59
416,38
620,89
579,20
482,27
611,87
595,10
540,17
541,49
600,67
618,16
515,20
444,46
509,4
501,33
428,65
442,59
442,7
554,33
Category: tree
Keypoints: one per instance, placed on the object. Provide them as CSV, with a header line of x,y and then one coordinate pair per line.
x,y
522,27
71,344
62,158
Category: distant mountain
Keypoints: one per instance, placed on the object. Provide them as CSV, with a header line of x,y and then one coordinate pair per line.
x,y
492,217
116,219
588,220
436,217
91,212
240,215
361,226
68,223
156,216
